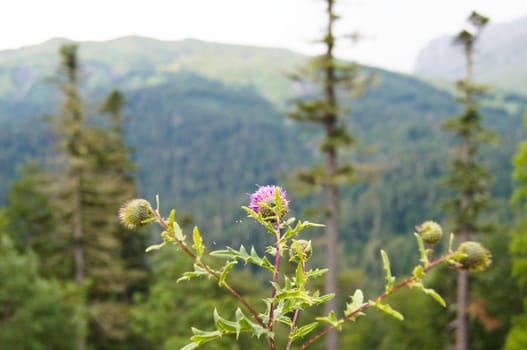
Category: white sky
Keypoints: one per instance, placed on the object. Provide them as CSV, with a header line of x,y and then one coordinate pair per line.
x,y
394,30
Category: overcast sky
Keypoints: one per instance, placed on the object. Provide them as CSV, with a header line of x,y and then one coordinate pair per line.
x,y
394,30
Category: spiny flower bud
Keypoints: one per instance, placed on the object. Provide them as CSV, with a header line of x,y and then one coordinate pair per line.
x,y
263,202
477,258
300,250
430,231
135,212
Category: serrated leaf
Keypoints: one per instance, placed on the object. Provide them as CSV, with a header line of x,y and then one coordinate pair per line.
x,y
315,273
226,269
198,272
198,242
225,326
435,296
202,337
300,279
388,310
178,233
331,319
357,301
386,265
422,250
304,330
242,254
429,291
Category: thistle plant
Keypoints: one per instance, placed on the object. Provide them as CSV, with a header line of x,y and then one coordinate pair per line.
x,y
290,294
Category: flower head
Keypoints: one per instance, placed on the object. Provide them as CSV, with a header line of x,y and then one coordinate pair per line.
x,y
263,202
134,212
300,250
430,231
477,257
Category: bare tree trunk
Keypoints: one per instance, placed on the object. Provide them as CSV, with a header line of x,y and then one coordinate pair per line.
x,y
331,246
462,278
330,190
462,302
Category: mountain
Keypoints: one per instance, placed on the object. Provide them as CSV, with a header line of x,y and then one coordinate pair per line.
x,y
206,123
135,62
500,57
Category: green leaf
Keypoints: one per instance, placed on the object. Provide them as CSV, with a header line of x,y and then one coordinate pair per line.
x,y
357,301
242,254
435,296
423,252
300,279
178,233
418,272
225,271
450,242
202,337
303,331
332,320
198,242
387,309
386,265
225,326
198,272
315,273
155,247
190,346
248,325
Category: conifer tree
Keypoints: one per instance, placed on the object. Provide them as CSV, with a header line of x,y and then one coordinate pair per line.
x,y
77,200
327,73
467,179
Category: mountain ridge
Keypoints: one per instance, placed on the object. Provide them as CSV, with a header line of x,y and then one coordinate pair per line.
x,y
500,58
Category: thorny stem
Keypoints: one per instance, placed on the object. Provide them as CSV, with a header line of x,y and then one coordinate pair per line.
x,y
275,280
366,306
211,272
295,316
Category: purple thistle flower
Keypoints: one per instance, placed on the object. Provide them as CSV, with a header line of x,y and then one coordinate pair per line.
x,y
263,201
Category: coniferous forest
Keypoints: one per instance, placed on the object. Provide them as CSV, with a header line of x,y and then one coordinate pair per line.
x,y
197,126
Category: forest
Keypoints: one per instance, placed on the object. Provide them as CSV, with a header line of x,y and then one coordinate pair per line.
x,y
198,126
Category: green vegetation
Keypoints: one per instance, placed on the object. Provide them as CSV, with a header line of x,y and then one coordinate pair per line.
x,y
204,141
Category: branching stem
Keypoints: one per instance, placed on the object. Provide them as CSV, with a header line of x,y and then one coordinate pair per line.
x,y
207,268
366,306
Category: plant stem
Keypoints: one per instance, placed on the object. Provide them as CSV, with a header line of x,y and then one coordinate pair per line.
x,y
366,306
430,252
210,271
295,316
275,279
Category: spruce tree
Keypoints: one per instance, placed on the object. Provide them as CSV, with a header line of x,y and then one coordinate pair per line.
x,y
329,75
77,198
467,179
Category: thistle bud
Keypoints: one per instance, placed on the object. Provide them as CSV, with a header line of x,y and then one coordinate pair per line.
x,y
477,257
300,250
134,213
430,231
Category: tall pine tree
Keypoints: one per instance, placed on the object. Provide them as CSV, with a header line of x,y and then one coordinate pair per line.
x,y
329,76
90,176
467,179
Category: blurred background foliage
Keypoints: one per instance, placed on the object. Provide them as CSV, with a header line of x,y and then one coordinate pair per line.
x,y
203,124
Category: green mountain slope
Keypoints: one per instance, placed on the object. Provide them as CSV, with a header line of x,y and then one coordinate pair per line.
x,y
203,138
135,62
